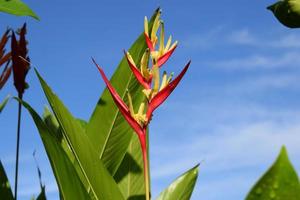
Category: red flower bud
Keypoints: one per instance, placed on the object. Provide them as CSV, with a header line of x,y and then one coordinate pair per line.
x,y
20,60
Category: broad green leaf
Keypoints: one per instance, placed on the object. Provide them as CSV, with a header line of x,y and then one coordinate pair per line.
x,y
279,182
182,187
53,125
16,7
100,181
107,129
5,190
130,175
3,103
69,183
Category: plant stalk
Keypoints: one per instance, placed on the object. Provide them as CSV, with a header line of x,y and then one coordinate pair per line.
x,y
17,148
146,165
146,174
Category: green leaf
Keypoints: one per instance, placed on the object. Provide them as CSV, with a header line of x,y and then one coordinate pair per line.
x,y
287,12
3,103
100,181
279,182
5,190
130,175
107,129
182,187
16,7
53,125
69,184
42,195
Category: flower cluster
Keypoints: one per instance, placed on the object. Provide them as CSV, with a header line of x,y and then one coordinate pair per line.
x,y
17,57
155,88
20,60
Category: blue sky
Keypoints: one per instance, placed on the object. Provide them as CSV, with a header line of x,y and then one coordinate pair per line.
x,y
234,109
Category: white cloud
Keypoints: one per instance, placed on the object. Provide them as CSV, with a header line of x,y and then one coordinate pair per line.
x,y
221,35
235,148
288,59
256,85
231,154
221,151
242,37
205,40
247,38
286,41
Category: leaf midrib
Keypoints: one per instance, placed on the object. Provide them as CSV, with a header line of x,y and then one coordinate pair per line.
x,y
72,148
81,167
114,121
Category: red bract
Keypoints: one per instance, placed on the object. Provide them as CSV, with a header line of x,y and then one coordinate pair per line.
x,y
162,95
4,76
149,42
4,58
3,42
146,84
163,58
121,104
20,60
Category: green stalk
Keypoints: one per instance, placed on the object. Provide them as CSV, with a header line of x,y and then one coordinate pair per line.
x,y
18,146
146,175
146,163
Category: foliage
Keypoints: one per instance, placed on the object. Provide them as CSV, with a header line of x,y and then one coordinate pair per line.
x,y
279,182
3,103
101,158
16,7
182,187
106,145
5,190
287,12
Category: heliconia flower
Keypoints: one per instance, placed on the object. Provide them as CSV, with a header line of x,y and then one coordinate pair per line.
x,y
126,112
165,91
4,58
20,60
156,92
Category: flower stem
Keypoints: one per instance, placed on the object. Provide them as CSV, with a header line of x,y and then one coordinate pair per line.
x,y
146,174
146,165
17,149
